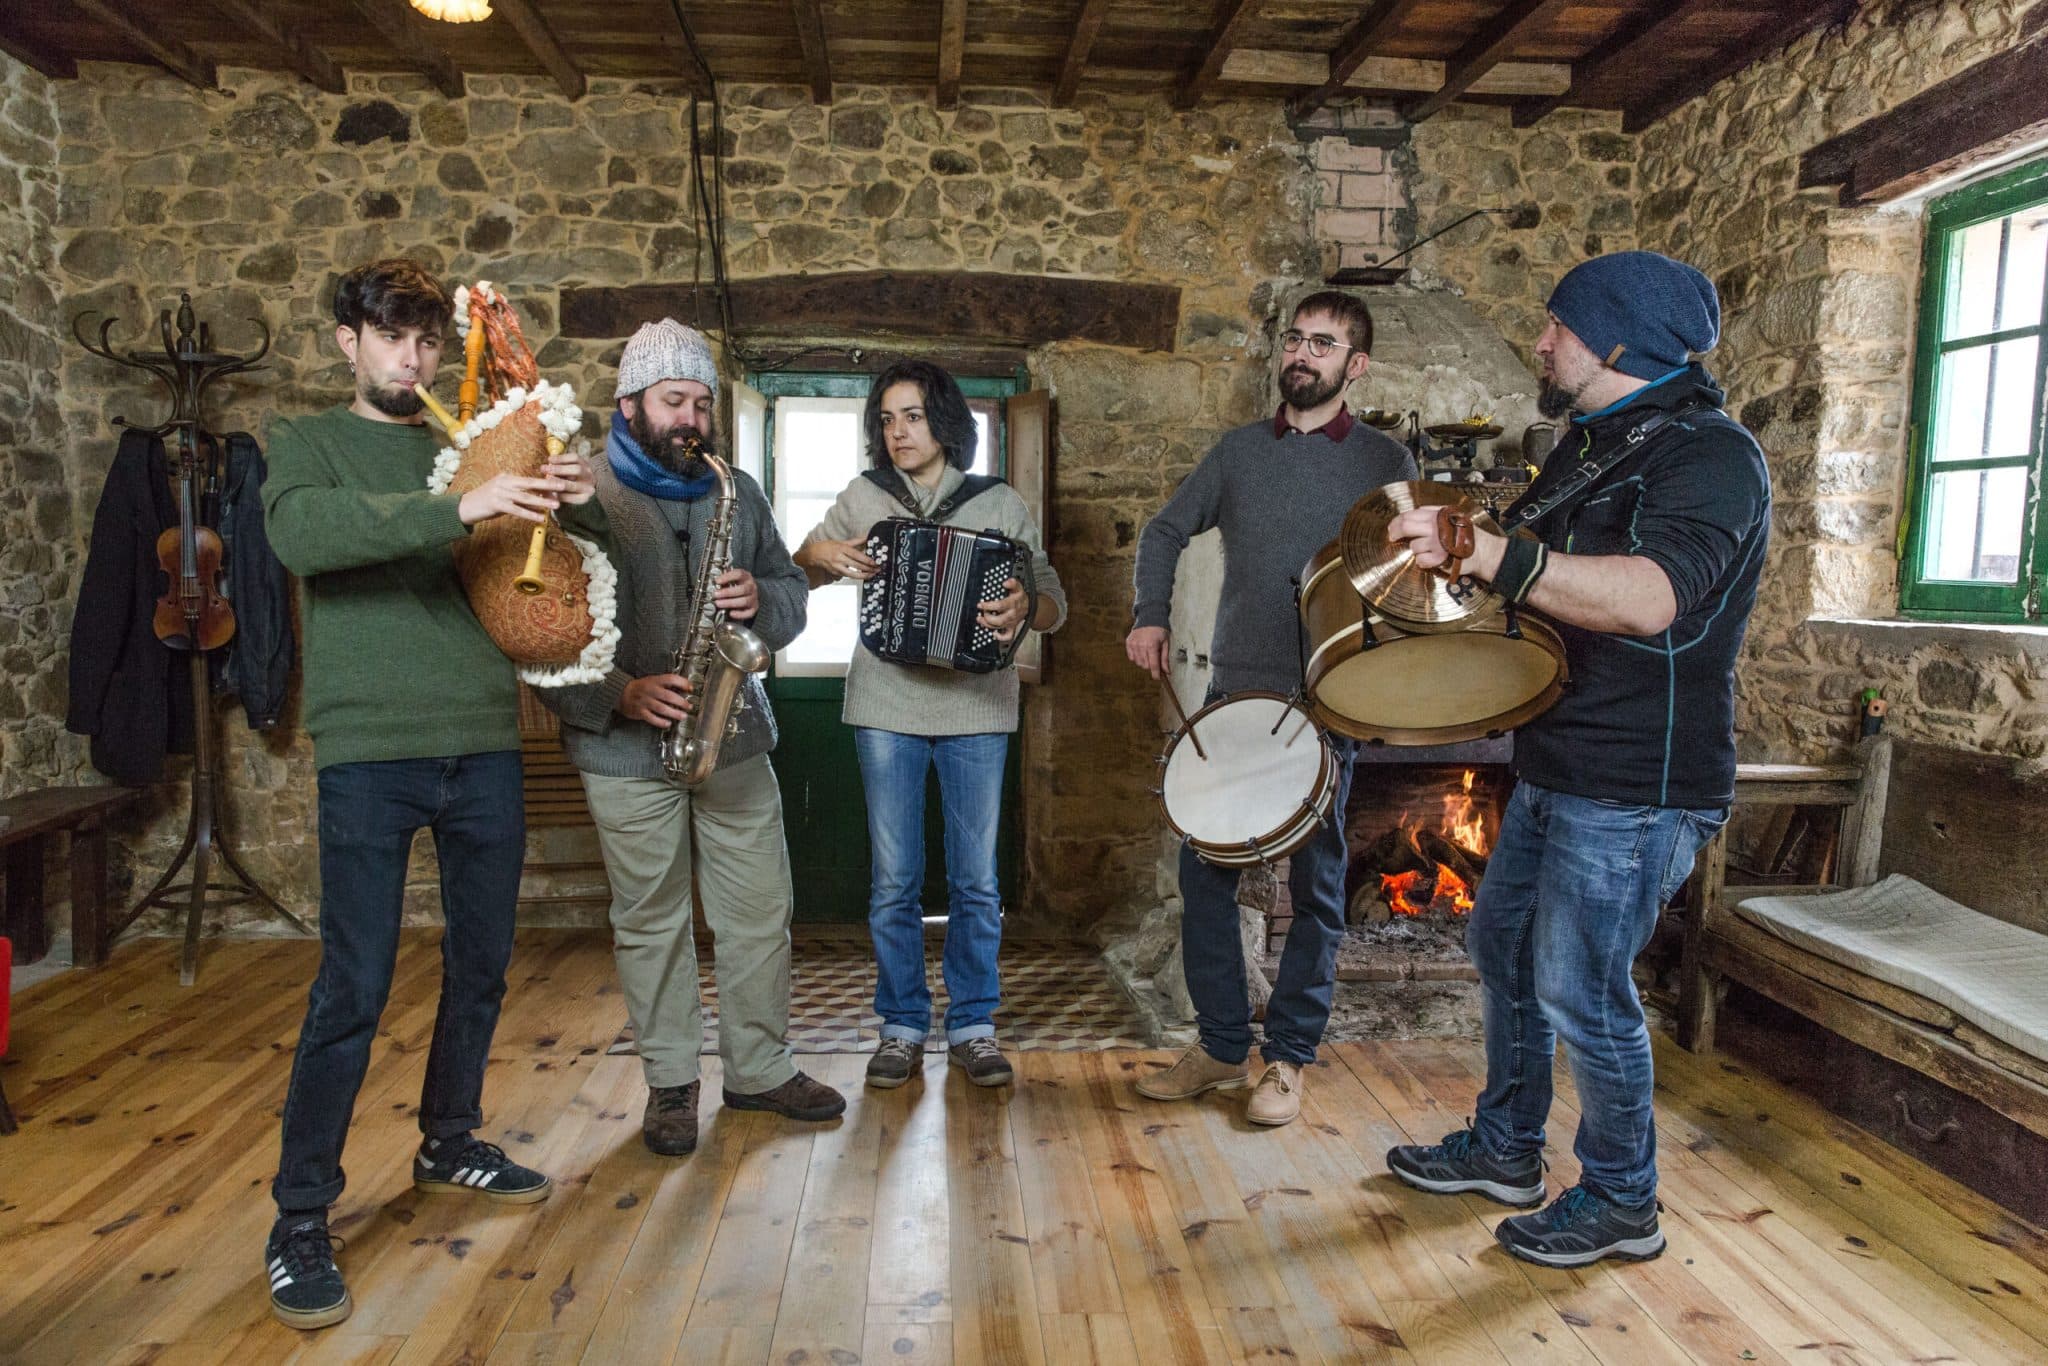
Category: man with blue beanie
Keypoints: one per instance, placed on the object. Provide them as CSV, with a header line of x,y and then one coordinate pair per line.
x,y
1642,540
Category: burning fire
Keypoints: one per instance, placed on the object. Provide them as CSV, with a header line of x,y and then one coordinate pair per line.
x,y
1464,825
1447,887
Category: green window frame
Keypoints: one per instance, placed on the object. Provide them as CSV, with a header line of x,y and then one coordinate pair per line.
x,y
1972,367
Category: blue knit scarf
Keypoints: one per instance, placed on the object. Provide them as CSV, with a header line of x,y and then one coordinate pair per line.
x,y
637,470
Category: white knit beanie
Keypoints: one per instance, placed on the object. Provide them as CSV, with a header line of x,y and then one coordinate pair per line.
x,y
665,350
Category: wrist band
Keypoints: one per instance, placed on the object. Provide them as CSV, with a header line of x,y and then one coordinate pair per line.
x,y
1522,561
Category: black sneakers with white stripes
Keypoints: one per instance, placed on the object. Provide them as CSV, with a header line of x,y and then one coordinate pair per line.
x,y
470,1164
306,1289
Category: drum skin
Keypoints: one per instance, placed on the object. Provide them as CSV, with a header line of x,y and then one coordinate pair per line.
x,y
1253,793
549,628
1416,689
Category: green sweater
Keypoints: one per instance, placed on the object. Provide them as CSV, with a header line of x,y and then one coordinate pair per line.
x,y
396,665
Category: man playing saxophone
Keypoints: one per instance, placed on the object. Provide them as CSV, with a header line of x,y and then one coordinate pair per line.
x,y
675,520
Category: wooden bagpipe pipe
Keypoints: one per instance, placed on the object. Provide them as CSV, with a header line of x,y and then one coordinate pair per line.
x,y
546,596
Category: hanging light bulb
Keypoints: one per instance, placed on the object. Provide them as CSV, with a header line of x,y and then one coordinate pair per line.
x,y
454,11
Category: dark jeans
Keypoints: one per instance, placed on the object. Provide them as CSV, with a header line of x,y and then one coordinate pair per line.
x,y
1212,953
1572,891
369,813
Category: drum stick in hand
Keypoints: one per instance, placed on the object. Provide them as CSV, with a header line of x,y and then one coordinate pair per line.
x,y
1185,724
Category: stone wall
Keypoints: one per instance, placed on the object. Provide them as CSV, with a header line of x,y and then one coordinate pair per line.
x,y
258,197
38,551
1820,304
1555,194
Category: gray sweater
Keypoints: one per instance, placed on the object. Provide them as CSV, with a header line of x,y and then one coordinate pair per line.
x,y
916,699
1278,503
656,564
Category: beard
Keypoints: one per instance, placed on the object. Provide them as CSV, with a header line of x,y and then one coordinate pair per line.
x,y
1553,400
669,448
1304,389
400,401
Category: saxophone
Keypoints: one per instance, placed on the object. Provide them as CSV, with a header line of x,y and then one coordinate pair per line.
x,y
716,655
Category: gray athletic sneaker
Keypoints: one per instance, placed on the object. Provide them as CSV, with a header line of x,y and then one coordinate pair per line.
x,y
1580,1227
1459,1165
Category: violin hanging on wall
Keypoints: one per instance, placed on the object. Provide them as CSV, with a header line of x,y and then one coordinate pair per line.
x,y
191,608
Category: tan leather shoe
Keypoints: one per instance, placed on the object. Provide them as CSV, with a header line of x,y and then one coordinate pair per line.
x,y
1191,1074
1276,1099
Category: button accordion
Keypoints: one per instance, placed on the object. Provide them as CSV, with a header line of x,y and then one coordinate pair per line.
x,y
921,605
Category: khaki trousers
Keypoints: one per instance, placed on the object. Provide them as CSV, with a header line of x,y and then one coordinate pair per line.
x,y
654,832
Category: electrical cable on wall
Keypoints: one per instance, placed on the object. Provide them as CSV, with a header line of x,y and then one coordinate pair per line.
x,y
707,217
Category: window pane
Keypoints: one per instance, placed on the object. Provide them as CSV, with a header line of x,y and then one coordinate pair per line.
x,y
1998,282
984,445
818,449
1974,521
802,517
1986,401
833,630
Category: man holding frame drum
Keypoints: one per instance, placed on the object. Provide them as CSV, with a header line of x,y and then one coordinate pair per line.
x,y
1278,489
1642,540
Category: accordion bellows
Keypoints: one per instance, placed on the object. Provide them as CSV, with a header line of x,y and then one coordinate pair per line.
x,y
922,605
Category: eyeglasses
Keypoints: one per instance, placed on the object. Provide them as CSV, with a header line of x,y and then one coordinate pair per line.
x,y
1318,345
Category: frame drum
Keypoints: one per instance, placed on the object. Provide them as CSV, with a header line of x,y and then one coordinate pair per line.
x,y
1405,688
1264,779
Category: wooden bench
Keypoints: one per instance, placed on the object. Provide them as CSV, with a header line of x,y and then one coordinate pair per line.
x,y
1970,833
27,821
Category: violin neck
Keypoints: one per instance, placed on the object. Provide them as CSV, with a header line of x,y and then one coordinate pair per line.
x,y
188,537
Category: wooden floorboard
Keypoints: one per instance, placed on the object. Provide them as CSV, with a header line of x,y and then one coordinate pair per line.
x,y
1062,1220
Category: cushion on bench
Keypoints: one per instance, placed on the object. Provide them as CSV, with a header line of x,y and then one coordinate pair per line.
x,y
1992,974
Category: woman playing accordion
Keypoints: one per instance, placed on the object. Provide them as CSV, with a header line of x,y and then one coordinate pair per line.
x,y
909,718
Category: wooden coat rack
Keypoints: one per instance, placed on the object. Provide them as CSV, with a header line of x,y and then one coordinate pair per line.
x,y
188,365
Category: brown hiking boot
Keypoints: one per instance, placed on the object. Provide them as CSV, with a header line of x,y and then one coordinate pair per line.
x,y
800,1097
669,1124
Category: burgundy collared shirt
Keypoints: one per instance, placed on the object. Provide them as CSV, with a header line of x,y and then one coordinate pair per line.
x,y
1337,428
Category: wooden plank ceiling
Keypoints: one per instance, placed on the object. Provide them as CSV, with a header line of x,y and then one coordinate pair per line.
x,y
1644,57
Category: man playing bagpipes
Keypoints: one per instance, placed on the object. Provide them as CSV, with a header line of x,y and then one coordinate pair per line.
x,y
412,707
673,744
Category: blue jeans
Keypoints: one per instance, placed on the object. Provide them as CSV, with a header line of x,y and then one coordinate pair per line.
x,y
892,770
369,813
1571,894
1212,952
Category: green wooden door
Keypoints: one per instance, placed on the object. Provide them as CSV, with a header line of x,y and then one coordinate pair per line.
x,y
811,435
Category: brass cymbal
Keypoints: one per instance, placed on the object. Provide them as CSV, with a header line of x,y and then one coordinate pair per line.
x,y
1386,575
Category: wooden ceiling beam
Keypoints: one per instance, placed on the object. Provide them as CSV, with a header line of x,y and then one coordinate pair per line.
x,y
1250,68
1233,17
174,56
1086,26
313,66
1484,51
1791,22
952,47
1628,44
810,35
1378,19
33,54
1999,105
540,40
409,35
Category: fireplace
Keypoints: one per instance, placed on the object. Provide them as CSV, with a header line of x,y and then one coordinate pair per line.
x,y
1418,834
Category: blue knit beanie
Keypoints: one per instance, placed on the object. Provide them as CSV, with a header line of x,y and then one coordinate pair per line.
x,y
1642,313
